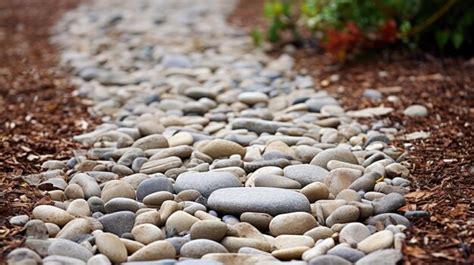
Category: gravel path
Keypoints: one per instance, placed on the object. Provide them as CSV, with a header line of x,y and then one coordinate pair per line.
x,y
210,152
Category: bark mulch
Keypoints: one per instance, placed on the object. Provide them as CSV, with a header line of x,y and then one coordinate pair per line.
x,y
38,114
442,164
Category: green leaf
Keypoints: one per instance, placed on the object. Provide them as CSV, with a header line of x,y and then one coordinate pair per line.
x,y
268,10
442,38
257,37
457,38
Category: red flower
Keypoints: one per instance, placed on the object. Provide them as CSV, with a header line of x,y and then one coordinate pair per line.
x,y
388,31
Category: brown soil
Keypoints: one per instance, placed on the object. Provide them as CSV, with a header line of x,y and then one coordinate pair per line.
x,y
38,114
442,165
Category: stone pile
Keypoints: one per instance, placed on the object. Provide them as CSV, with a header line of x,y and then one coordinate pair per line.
x,y
211,152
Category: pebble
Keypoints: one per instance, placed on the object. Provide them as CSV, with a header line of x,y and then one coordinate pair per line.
x,y
353,233
147,233
110,245
208,229
388,203
19,220
51,214
306,174
200,247
152,185
347,253
383,257
118,223
416,111
282,224
329,259
377,241
67,248
340,179
273,201
99,259
206,182
222,148
23,256
343,214
36,229
338,154
155,251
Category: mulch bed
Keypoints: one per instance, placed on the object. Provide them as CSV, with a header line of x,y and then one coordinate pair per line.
x,y
442,164
38,114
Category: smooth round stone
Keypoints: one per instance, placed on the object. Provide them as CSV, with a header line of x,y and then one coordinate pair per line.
x,y
320,232
377,241
393,218
293,253
74,191
342,215
63,247
348,195
161,165
116,189
150,127
396,170
200,247
208,229
147,233
388,203
340,179
110,245
291,241
276,181
353,233
153,185
55,259
386,256
156,199
339,154
151,142
36,229
252,98
319,249
205,182
96,204
52,214
305,174
179,222
23,256
155,251
131,245
121,204
347,253
233,244
99,259
19,220
118,223
315,104
272,201
76,227
333,164
329,260
315,191
261,221
89,185
181,138
222,148
284,224
416,111
187,195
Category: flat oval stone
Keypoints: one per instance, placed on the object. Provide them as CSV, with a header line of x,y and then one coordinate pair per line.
x,y
118,223
306,174
52,214
111,246
153,185
200,247
377,241
222,148
157,250
205,182
273,201
339,154
284,224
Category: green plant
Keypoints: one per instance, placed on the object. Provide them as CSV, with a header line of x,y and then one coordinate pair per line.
x,y
348,26
280,14
257,37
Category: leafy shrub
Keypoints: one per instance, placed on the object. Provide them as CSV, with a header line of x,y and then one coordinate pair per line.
x,y
344,27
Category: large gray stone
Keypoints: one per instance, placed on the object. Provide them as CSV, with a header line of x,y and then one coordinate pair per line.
x,y
273,201
339,154
118,223
306,174
205,182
